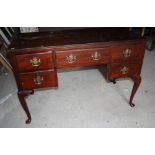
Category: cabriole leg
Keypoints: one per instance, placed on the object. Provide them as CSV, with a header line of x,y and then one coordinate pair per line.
x,y
137,81
21,96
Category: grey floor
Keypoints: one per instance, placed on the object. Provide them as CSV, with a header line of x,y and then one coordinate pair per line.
x,y
84,99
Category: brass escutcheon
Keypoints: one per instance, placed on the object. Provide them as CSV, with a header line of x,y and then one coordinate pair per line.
x,y
38,80
127,52
124,70
71,58
96,56
35,62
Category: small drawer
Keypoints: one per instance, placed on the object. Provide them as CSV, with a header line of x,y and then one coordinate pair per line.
x,y
80,58
36,80
127,52
124,70
34,62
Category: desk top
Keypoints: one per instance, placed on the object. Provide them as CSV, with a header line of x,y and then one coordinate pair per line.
x,y
70,37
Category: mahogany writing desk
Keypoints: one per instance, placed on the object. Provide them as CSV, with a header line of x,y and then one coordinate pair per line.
x,y
36,57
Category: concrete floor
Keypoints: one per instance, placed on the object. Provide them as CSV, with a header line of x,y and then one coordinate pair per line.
x,y
84,99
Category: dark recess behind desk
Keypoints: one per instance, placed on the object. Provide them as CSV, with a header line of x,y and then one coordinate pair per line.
x,y
58,28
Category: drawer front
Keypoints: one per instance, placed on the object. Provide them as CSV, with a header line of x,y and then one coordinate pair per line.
x,y
79,58
124,70
34,62
39,80
127,52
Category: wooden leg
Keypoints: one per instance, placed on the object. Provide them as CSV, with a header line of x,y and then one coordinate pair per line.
x,y
113,81
137,81
21,96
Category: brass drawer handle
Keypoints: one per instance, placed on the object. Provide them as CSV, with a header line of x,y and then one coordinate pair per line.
x,y
38,80
127,52
96,56
71,58
35,62
124,70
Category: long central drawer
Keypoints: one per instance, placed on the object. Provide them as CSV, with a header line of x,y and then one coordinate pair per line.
x,y
85,57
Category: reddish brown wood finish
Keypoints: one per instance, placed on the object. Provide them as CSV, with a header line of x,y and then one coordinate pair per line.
x,y
137,80
117,52
25,65
133,69
21,96
108,42
49,79
74,37
25,81
83,57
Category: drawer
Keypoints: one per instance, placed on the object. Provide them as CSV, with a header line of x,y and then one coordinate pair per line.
x,y
34,62
36,80
79,58
124,70
127,52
